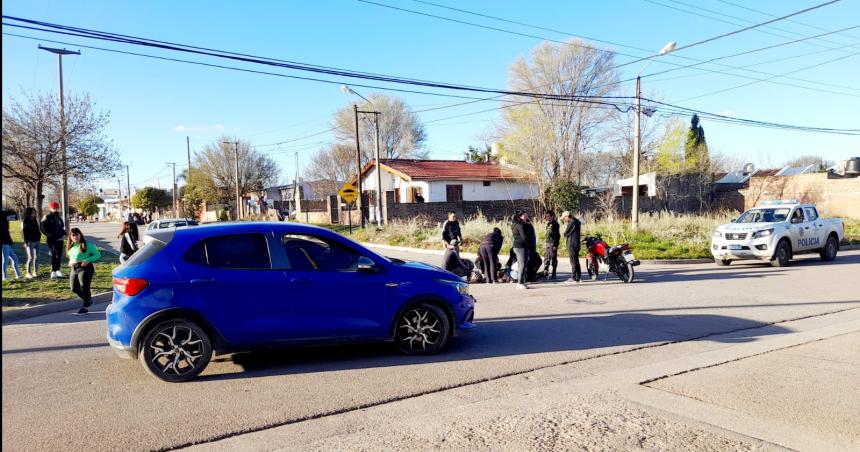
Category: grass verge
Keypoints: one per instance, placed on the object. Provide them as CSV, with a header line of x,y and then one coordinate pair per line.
x,y
43,290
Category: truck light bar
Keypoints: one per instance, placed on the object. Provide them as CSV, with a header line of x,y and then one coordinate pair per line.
x,y
780,201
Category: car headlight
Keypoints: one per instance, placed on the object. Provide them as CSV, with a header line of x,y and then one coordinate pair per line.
x,y
762,233
461,286
717,235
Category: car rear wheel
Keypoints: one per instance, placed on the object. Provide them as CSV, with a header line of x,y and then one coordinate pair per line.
x,y
830,249
175,351
723,262
782,255
422,330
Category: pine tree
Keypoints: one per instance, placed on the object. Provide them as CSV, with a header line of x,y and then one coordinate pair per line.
x,y
696,153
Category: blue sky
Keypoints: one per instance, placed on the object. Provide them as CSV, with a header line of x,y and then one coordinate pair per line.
x,y
155,104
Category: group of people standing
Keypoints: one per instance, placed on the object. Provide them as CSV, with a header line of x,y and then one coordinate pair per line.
x,y
82,257
524,262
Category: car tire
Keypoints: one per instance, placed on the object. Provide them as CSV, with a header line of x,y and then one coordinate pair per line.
x,y
175,350
723,262
831,247
422,329
782,254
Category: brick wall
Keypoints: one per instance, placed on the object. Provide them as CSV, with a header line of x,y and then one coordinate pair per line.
x,y
834,197
437,211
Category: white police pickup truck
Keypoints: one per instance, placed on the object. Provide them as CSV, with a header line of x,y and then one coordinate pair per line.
x,y
775,231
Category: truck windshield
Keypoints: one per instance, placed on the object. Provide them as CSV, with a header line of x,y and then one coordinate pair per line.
x,y
764,215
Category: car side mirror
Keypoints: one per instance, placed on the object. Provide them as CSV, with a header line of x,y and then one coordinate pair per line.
x,y
734,219
366,264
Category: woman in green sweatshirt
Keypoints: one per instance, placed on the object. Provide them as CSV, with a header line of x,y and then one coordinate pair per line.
x,y
82,258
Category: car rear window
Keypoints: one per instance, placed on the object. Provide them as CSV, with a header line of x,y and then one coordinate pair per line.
x,y
143,254
237,251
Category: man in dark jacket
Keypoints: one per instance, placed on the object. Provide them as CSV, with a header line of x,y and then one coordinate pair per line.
x,y
572,234
54,229
488,253
452,262
553,236
525,242
451,229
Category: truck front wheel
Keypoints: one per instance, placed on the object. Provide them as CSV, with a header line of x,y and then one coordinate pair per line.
x,y
782,254
830,249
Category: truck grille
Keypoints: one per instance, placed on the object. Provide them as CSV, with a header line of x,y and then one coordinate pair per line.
x,y
736,236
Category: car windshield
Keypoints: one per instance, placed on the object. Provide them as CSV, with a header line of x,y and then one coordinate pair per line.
x,y
771,215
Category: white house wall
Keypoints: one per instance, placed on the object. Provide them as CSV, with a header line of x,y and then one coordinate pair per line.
x,y
476,191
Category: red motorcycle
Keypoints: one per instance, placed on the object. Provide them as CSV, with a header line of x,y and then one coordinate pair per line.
x,y
603,258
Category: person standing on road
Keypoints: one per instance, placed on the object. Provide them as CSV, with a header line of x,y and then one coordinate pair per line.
x,y
451,229
32,237
553,236
488,251
54,229
9,255
82,258
525,242
127,244
572,233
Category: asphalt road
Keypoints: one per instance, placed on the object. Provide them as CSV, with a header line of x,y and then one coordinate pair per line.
x,y
64,389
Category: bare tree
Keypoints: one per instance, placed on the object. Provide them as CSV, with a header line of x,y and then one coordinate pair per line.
x,y
401,133
31,142
549,137
215,168
332,166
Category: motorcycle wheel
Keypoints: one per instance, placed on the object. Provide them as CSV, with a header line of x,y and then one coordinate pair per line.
x,y
625,272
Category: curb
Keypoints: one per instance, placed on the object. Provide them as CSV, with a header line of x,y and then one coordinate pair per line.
x,y
51,308
473,255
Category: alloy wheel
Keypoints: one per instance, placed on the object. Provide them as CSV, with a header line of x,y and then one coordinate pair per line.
x,y
420,328
175,351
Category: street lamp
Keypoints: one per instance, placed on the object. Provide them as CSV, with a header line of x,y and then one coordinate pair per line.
x,y
634,214
347,90
65,181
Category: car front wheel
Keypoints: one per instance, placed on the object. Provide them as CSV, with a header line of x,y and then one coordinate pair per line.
x,y
782,254
422,330
175,351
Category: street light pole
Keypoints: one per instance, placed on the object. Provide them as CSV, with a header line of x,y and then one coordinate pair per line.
x,y
637,142
238,197
347,90
65,162
175,213
358,165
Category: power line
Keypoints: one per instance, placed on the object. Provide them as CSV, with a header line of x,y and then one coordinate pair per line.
x,y
787,20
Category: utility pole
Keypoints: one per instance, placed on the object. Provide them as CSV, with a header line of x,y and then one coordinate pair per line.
x,y
119,199
358,165
65,158
238,196
378,177
634,215
128,186
175,213
188,148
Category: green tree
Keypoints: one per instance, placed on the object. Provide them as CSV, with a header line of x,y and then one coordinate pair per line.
x,y
89,205
150,198
474,154
696,155
669,158
564,195
193,201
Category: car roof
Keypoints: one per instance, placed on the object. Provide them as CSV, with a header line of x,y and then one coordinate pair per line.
x,y
174,219
239,227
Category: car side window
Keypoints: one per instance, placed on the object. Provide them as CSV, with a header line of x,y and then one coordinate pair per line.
x,y
237,251
811,214
797,216
310,253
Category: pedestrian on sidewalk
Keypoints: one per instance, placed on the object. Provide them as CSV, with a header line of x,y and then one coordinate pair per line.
x,y
488,252
127,244
525,242
572,233
553,237
32,237
54,229
9,256
82,258
451,229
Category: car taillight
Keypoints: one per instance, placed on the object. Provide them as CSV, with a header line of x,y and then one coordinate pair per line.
x,y
130,286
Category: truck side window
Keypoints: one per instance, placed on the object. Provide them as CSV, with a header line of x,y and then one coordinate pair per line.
x,y
797,216
811,213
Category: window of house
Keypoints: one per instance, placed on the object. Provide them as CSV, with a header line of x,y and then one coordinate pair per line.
x,y
454,193
238,251
310,253
486,183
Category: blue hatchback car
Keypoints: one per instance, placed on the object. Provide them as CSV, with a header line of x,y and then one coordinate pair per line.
x,y
190,292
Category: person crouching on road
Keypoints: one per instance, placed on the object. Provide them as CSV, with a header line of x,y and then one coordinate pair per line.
x,y
553,236
525,242
452,262
572,234
127,244
82,258
451,229
488,251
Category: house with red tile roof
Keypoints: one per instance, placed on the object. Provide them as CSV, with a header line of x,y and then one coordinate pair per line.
x,y
449,181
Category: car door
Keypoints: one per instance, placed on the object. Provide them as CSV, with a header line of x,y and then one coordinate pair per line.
x,y
327,297
815,228
796,229
229,278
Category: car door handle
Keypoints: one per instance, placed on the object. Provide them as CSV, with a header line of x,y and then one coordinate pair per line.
x,y
202,281
300,280
806,227
392,284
